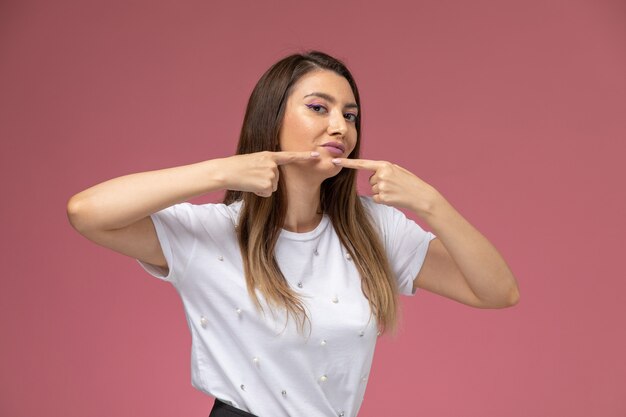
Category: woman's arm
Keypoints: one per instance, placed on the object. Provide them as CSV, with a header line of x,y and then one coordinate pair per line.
x,y
461,263
116,213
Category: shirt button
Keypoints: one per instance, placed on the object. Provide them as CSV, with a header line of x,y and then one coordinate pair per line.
x,y
316,252
299,285
243,387
335,299
323,378
361,333
341,414
348,257
284,393
220,258
323,342
204,321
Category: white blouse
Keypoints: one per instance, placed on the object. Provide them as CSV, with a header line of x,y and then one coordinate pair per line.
x,y
259,362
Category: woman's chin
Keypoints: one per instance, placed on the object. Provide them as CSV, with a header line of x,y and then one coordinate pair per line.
x,y
326,167
320,168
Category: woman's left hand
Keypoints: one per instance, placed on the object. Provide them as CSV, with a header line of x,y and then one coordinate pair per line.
x,y
395,186
461,264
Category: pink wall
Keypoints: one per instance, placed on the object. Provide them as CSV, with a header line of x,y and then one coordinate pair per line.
x,y
515,111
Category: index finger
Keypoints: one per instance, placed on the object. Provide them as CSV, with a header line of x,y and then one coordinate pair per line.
x,y
358,163
287,157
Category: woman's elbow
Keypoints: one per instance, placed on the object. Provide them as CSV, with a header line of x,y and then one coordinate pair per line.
x,y
511,296
76,213
514,299
504,300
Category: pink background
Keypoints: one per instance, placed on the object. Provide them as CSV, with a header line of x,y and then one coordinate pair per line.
x,y
515,111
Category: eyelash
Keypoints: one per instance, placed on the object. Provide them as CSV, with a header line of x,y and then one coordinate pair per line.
x,y
316,107
354,117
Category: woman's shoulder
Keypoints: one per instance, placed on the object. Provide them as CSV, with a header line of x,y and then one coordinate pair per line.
x,y
374,208
206,213
216,210
377,213
386,218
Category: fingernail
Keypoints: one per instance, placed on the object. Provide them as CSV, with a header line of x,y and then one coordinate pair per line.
x,y
315,154
336,161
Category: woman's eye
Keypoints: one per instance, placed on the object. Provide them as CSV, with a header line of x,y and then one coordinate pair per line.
x,y
350,117
316,107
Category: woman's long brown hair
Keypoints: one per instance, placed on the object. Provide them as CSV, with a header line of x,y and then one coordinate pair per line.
x,y
261,218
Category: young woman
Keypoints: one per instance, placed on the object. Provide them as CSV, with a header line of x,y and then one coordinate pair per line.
x,y
287,284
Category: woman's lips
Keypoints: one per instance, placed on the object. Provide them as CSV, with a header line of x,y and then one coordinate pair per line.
x,y
334,148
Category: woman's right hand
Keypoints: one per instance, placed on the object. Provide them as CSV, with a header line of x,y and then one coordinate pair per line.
x,y
258,172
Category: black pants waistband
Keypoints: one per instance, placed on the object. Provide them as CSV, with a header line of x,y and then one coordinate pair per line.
x,y
221,409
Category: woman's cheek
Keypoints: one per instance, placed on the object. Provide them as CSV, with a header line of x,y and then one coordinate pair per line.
x,y
328,167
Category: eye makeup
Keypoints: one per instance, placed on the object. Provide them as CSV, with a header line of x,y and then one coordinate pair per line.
x,y
315,107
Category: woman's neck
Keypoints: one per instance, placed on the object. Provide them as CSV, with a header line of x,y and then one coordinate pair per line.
x,y
303,202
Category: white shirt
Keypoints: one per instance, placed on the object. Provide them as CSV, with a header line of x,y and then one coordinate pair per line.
x,y
260,363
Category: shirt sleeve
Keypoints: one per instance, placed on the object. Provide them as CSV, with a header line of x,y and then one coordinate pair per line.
x,y
176,229
405,242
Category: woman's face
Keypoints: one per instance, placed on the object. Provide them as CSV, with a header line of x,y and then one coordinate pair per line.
x,y
320,116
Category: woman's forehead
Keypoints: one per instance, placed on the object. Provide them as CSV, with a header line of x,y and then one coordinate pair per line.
x,y
325,83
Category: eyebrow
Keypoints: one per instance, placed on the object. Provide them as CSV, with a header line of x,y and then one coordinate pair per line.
x,y
332,99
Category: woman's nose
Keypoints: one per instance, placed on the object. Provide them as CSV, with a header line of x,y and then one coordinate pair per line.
x,y
337,124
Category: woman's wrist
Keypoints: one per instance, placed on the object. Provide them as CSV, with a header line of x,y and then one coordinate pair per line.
x,y
215,175
428,207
